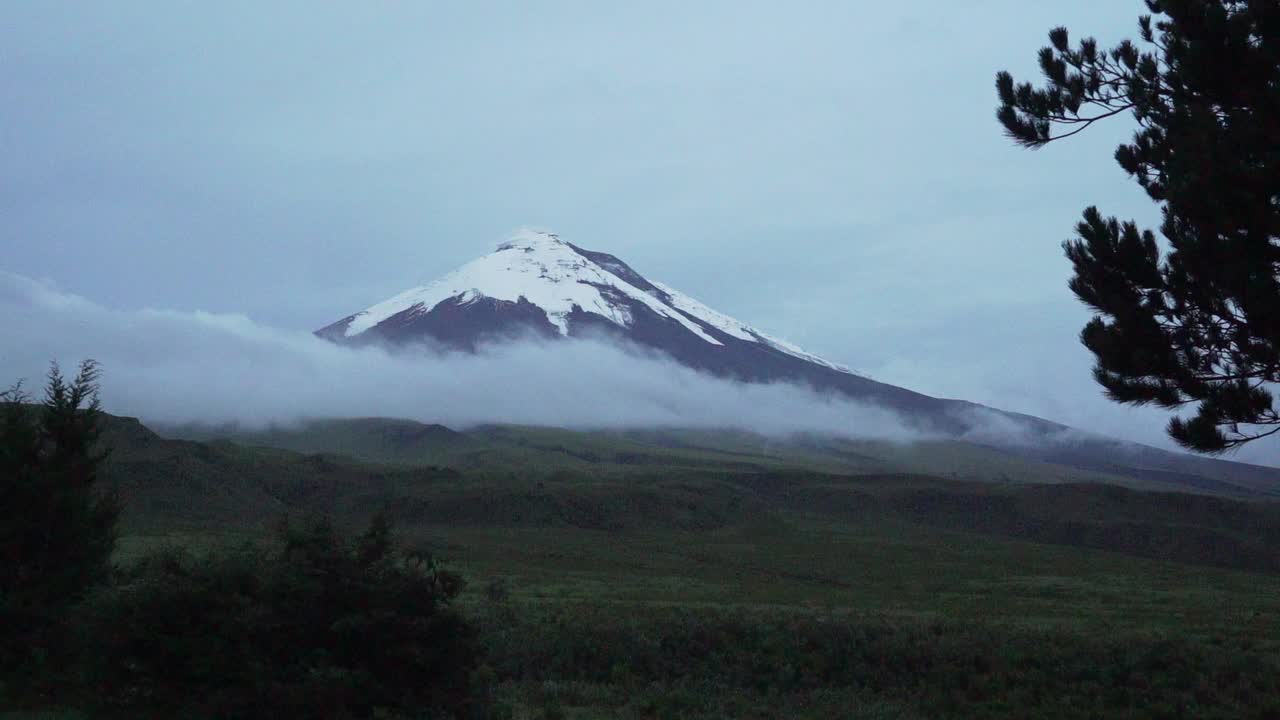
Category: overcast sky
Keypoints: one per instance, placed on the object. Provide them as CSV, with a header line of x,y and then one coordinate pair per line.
x,y
830,172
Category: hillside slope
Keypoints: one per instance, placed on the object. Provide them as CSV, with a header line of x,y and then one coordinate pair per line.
x,y
697,482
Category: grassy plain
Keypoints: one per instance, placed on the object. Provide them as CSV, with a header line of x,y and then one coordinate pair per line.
x,y
792,615
707,576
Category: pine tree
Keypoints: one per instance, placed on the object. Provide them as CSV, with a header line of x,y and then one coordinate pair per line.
x,y
57,530
1193,322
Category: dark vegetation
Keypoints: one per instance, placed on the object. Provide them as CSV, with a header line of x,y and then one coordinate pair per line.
x,y
1170,526
1199,323
706,663
309,625
57,531
675,587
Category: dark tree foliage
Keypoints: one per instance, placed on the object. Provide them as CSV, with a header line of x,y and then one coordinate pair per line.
x,y
311,626
1196,323
57,530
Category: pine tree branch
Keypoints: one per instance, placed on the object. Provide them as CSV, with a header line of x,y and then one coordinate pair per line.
x,y
1086,124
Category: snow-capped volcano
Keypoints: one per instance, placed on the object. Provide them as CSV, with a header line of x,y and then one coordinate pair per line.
x,y
538,284
568,288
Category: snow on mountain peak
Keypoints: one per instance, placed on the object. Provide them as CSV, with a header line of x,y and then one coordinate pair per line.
x,y
529,238
561,278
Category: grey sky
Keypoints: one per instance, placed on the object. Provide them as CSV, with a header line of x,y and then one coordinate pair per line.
x,y
829,172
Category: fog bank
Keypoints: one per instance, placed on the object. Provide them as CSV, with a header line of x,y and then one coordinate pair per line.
x,y
177,367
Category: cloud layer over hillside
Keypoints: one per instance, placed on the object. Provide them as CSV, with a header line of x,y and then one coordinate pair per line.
x,y
175,366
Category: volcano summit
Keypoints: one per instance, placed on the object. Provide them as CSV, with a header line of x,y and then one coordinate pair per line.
x,y
536,282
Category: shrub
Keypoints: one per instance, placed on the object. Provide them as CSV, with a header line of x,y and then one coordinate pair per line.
x,y
309,626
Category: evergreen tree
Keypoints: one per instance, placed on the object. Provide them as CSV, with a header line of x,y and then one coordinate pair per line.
x,y
1193,322
57,531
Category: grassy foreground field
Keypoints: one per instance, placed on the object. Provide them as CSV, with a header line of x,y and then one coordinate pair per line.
x,y
796,616
792,617
719,577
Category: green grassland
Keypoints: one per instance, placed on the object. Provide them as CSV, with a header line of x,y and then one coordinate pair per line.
x,y
608,623
940,623
668,574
